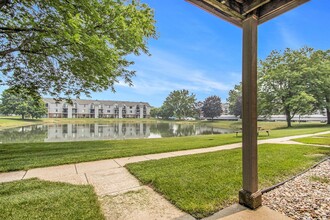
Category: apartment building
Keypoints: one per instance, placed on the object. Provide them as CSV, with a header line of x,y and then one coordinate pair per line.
x,y
96,109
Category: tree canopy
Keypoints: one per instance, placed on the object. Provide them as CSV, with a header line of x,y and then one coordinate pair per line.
x,y
69,47
21,103
319,80
235,100
284,83
179,104
212,107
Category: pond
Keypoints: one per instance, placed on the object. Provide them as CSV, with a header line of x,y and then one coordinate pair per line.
x,y
114,131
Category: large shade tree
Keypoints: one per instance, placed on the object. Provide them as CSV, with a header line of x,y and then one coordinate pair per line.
x,y
179,104
212,107
70,47
283,84
20,102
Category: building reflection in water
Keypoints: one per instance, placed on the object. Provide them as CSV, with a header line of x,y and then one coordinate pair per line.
x,y
81,132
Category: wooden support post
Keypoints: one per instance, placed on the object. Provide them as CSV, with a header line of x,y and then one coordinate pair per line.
x,y
249,195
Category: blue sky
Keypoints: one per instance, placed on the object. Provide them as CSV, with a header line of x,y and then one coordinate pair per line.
x,y
202,53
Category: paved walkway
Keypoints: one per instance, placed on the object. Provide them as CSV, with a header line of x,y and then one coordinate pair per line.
x,y
110,178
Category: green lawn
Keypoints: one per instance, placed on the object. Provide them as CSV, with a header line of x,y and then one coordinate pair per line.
x,y
35,199
205,183
23,156
320,139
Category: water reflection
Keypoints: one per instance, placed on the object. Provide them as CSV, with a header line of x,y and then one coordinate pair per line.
x,y
35,133
114,131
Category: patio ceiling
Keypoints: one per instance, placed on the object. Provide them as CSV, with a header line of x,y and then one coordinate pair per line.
x,y
236,11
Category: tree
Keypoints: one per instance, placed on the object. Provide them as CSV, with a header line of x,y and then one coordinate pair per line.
x,y
283,83
235,100
319,80
22,104
199,109
69,47
212,107
237,107
155,112
180,104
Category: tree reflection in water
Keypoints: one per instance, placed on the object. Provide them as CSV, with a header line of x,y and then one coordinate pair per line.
x,y
30,134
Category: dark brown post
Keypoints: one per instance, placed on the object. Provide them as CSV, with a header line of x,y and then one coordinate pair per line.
x,y
249,195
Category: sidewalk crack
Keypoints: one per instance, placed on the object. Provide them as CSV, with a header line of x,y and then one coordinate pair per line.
x,y
86,178
24,174
117,163
75,167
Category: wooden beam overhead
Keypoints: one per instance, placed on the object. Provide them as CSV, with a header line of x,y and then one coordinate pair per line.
x,y
217,12
223,7
253,6
236,11
276,8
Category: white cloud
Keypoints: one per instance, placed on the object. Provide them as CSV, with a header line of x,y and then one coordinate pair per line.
x,y
164,72
289,37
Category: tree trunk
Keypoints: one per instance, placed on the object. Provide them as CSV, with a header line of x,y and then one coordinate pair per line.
x,y
23,116
328,110
288,117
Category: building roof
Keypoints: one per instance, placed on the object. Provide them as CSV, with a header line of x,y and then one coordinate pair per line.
x,y
236,11
104,102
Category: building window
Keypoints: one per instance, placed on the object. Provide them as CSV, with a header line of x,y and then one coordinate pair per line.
x,y
108,111
56,110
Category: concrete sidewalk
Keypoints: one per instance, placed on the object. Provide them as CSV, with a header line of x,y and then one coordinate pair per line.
x,y
110,178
